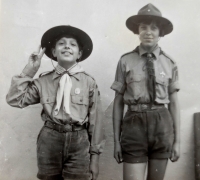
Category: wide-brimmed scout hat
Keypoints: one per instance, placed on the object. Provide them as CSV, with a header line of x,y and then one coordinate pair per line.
x,y
152,13
52,35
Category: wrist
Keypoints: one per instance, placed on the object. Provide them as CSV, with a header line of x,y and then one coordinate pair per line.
x,y
94,158
30,71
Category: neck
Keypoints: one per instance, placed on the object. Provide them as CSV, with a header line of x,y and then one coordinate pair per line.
x,y
149,48
66,65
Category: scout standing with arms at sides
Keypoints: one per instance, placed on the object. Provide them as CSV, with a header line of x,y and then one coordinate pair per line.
x,y
147,81
72,137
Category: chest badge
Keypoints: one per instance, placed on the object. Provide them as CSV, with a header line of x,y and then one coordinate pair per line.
x,y
162,74
77,91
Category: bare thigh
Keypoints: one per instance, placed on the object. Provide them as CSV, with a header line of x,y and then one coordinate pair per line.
x,y
134,171
156,169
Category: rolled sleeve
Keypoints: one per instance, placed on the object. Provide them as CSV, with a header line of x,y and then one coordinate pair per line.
x,y
119,85
96,122
23,91
174,82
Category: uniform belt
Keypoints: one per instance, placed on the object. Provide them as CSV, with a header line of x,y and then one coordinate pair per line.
x,y
64,128
145,107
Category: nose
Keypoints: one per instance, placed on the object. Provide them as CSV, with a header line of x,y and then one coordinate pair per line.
x,y
148,31
67,46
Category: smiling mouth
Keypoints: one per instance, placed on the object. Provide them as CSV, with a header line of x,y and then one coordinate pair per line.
x,y
67,53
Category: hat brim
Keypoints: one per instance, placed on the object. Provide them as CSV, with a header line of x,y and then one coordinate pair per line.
x,y
49,37
133,22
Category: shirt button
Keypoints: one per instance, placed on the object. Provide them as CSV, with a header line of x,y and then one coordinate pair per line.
x,y
47,100
81,100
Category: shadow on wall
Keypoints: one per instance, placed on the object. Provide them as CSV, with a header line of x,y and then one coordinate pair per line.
x,y
109,168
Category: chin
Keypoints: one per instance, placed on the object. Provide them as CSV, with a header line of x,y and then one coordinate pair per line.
x,y
149,44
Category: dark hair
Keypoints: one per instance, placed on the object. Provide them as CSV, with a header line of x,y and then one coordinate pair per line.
x,y
80,46
149,21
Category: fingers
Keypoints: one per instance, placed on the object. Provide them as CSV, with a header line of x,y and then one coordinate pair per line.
x,y
94,176
38,53
42,52
118,157
38,49
174,157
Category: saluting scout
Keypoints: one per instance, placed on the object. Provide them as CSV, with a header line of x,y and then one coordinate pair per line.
x,y
72,137
147,82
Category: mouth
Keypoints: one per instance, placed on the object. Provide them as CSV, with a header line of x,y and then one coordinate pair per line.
x,y
148,38
66,53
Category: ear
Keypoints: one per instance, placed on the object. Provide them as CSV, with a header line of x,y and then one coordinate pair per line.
x,y
80,54
53,52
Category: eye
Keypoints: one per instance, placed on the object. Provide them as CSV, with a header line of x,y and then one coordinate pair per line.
x,y
142,27
73,44
154,27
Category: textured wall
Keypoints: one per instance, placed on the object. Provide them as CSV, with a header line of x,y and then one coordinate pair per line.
x,y
22,24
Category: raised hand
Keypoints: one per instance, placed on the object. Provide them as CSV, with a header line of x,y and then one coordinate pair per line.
x,y
35,58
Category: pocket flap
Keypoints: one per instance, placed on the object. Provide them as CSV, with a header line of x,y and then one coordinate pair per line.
x,y
80,100
134,77
162,81
47,99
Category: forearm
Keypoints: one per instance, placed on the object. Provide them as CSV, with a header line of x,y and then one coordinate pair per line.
x,y
21,93
174,110
118,111
96,123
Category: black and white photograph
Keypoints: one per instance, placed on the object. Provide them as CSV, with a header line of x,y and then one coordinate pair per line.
x,y
100,90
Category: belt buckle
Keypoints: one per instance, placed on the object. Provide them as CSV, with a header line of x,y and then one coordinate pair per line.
x,y
144,106
67,128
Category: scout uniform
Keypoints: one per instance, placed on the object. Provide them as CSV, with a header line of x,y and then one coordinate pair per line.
x,y
147,128
66,140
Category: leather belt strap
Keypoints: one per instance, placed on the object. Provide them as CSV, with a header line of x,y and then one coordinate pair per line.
x,y
145,107
64,128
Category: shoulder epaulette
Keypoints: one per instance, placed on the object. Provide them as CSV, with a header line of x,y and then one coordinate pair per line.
x,y
89,75
135,50
45,73
166,55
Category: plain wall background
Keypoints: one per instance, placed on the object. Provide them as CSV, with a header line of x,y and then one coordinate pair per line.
x,y
22,24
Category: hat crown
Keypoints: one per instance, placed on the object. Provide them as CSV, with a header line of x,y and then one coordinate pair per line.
x,y
150,10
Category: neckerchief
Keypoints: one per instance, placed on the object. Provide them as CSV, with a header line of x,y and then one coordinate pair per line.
x,y
65,85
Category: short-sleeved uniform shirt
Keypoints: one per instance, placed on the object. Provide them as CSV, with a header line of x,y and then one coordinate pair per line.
x,y
131,77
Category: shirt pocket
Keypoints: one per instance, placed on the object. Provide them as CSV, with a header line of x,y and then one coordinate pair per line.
x,y
162,87
79,106
48,100
135,83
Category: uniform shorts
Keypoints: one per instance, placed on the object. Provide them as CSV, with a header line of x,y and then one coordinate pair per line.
x,y
147,135
63,154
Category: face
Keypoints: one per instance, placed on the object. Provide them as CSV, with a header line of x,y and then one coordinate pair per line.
x,y
66,50
148,34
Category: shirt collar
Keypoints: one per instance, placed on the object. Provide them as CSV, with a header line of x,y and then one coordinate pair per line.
x,y
60,70
156,51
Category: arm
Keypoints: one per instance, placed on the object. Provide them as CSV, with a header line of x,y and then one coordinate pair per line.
x,y
174,110
118,111
23,90
96,130
119,87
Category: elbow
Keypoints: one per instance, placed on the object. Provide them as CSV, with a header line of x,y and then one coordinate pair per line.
x,y
12,102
